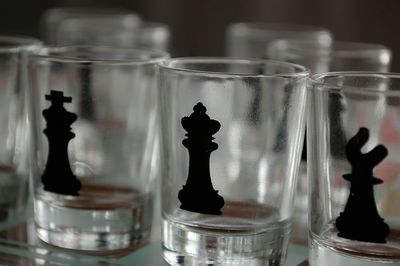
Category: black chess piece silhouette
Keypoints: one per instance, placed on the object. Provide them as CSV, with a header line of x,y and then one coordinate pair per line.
x,y
198,194
360,219
58,176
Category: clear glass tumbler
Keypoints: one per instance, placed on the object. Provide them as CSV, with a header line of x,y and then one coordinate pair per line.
x,y
94,115
105,27
87,31
354,169
54,19
356,56
253,39
232,134
14,128
313,55
340,56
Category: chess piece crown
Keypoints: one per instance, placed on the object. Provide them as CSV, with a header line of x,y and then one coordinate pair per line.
x,y
199,125
56,116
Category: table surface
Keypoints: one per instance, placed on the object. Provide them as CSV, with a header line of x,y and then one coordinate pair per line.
x,y
20,246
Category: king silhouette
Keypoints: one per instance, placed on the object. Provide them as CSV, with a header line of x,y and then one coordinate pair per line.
x,y
58,177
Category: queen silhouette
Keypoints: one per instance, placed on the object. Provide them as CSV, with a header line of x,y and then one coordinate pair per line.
x,y
198,194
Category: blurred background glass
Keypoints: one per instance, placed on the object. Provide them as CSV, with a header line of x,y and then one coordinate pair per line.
x,y
53,20
100,26
198,27
339,56
252,39
83,31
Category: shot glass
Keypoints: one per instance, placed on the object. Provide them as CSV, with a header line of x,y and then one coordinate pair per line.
x,y
253,39
94,119
14,129
84,31
337,56
115,27
352,56
54,18
313,55
229,163
354,189
319,58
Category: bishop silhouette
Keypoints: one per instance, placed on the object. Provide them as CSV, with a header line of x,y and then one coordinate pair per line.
x,y
58,176
360,219
198,194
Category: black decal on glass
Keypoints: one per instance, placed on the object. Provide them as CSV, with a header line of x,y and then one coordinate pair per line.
x,y
86,105
58,177
360,219
198,194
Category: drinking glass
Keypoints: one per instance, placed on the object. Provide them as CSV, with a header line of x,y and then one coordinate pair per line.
x,y
105,27
252,39
350,209
315,56
230,160
14,129
86,31
351,56
54,18
319,58
94,115
338,56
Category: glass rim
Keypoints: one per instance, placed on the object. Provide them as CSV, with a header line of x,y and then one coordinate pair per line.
x,y
343,45
141,28
318,79
257,28
350,49
15,43
302,71
337,48
96,11
297,47
155,56
153,25
268,26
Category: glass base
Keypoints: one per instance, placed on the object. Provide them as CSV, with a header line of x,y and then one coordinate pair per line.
x,y
189,245
327,256
332,250
89,241
176,259
93,223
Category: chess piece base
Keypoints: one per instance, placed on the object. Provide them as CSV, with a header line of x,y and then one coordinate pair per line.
x,y
356,228
71,187
72,222
200,201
